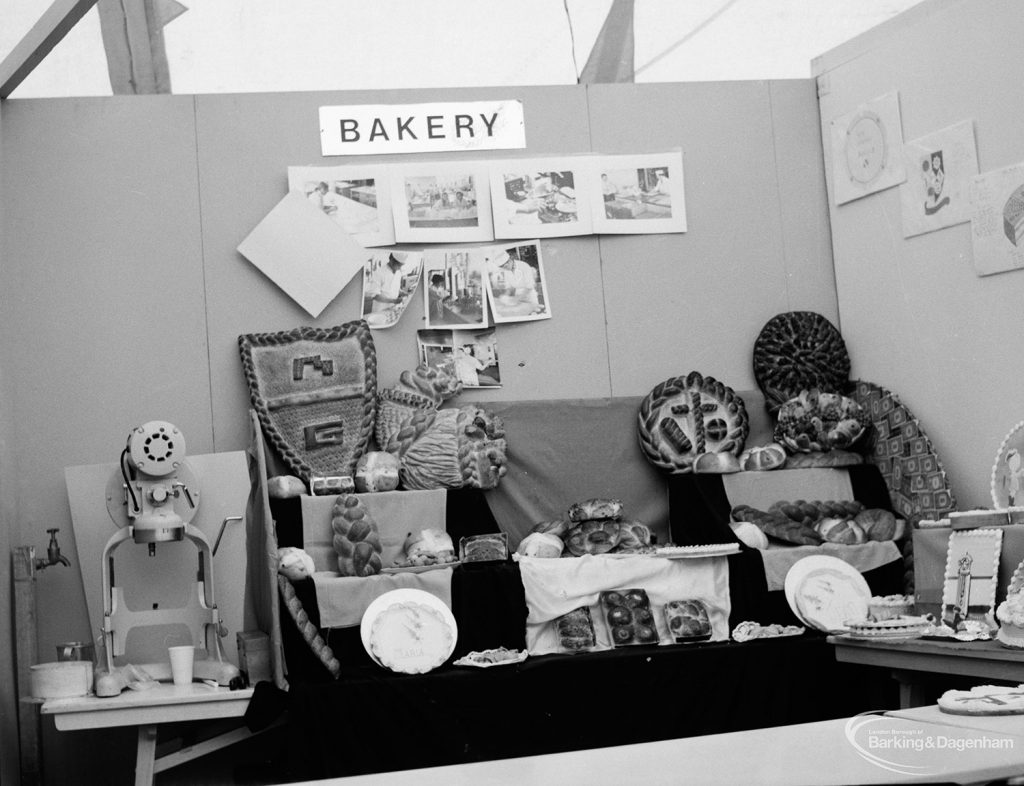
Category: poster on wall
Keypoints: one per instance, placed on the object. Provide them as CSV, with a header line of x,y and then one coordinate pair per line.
x,y
310,257
472,355
454,290
358,198
997,220
516,286
867,149
390,279
937,191
638,194
540,197
442,203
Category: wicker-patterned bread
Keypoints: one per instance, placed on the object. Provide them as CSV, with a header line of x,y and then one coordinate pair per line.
x,y
356,539
798,350
422,388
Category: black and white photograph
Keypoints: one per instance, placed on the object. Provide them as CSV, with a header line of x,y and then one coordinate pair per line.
x,y
516,285
390,279
441,203
540,198
470,355
454,288
639,194
358,198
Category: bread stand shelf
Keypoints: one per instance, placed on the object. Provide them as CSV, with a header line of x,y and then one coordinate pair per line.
x,y
147,710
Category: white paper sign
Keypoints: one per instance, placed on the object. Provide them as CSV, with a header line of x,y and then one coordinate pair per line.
x,y
997,220
374,129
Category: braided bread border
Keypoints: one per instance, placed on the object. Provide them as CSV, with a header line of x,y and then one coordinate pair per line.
x,y
308,630
648,428
358,329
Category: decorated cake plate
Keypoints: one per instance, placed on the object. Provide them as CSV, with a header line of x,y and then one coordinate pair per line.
x,y
429,623
825,592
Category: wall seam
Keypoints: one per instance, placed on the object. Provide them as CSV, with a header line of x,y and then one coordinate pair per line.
x,y
202,262
600,259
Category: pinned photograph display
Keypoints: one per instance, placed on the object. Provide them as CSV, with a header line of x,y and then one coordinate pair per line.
x,y
541,197
638,194
390,279
358,198
454,289
867,149
472,355
937,191
516,287
971,576
997,220
441,203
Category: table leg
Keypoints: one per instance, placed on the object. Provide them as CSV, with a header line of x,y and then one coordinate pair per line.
x,y
912,692
145,755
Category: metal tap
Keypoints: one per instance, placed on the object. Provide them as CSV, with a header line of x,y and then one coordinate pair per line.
x,y
53,555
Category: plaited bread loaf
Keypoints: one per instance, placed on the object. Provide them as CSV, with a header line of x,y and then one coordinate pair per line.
x,y
356,539
633,536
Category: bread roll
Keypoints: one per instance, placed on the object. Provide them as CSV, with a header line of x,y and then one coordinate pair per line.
x,y
595,509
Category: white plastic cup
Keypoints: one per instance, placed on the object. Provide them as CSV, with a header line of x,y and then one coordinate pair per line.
x,y
182,659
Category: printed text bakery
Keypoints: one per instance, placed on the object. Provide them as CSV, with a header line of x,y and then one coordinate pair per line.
x,y
416,128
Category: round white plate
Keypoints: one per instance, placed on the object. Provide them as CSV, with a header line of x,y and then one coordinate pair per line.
x,y
824,592
404,595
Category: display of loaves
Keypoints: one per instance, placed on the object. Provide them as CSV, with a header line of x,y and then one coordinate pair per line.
x,y
812,523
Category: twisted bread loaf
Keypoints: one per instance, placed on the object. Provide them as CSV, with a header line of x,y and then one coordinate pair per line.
x,y
356,539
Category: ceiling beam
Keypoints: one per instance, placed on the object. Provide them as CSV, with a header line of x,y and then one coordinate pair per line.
x,y
53,25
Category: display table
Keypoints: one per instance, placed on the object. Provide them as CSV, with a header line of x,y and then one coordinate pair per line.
x,y
821,753
148,710
556,703
910,661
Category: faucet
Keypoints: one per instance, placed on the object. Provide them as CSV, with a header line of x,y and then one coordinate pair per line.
x,y
53,555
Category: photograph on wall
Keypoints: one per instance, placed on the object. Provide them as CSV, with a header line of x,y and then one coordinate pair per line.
x,y
971,576
997,220
441,203
540,197
454,289
516,286
937,191
638,194
471,355
358,198
867,149
390,279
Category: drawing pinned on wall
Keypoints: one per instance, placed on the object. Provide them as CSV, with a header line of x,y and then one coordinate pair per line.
x,y
937,190
997,220
867,146
358,198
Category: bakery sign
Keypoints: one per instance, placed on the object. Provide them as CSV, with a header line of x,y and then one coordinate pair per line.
x,y
374,129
